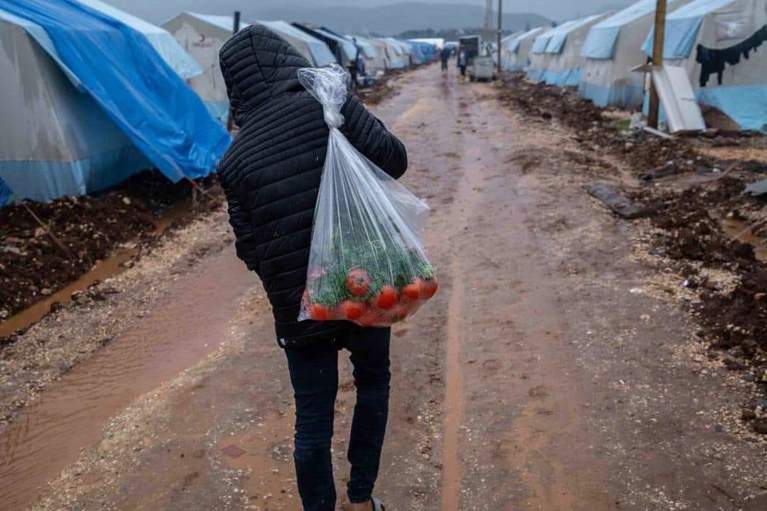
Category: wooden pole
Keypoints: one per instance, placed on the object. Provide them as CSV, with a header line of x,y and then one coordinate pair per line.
x,y
235,29
657,61
500,27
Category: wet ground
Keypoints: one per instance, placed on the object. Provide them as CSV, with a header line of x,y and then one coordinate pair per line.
x,y
557,369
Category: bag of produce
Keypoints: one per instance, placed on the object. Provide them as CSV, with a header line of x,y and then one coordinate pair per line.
x,y
366,263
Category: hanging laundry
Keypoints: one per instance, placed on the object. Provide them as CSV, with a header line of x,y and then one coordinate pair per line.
x,y
714,61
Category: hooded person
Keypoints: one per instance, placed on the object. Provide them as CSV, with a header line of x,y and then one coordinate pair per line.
x,y
271,176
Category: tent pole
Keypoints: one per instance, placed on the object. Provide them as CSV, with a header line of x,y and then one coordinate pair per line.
x,y
235,29
500,27
657,61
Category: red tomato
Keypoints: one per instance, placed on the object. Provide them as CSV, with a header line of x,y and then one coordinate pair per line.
x,y
358,282
399,312
386,298
351,310
413,290
319,312
370,318
429,288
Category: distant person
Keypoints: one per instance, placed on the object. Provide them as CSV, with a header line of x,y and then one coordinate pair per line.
x,y
444,56
462,62
271,176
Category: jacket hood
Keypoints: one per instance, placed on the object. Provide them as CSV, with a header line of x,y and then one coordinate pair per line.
x,y
257,64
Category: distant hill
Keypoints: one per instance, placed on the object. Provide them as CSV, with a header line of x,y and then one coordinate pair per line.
x,y
342,15
400,17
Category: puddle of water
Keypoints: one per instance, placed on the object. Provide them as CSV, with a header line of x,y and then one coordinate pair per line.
x,y
102,270
741,231
48,435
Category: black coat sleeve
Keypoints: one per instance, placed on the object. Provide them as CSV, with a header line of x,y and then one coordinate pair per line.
x,y
244,243
371,138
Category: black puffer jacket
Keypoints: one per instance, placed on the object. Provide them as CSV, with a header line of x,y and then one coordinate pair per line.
x,y
271,173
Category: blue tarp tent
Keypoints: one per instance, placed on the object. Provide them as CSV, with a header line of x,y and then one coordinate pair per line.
x,y
721,44
162,41
87,101
556,54
426,52
612,50
516,49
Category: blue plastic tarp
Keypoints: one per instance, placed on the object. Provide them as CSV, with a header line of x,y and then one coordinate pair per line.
x,y
558,38
5,193
603,37
512,45
162,41
137,89
542,41
682,27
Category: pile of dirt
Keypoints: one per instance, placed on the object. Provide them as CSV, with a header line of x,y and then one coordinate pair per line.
x,y
380,90
45,246
734,317
650,155
732,313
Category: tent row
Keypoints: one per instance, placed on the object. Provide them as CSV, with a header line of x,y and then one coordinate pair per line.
x,y
74,125
717,42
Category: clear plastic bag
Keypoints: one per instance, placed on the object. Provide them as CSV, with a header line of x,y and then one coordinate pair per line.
x,y
367,264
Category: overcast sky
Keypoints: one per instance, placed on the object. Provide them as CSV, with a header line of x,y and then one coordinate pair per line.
x,y
555,9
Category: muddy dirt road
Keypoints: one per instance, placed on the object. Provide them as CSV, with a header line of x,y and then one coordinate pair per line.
x,y
550,373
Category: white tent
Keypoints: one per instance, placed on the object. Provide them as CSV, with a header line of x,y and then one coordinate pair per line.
x,y
555,57
202,36
612,49
515,49
159,38
315,51
720,44
399,56
56,140
374,54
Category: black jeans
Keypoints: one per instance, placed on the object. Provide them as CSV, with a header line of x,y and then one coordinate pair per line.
x,y
314,375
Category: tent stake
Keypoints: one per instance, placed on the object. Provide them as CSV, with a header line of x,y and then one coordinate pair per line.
x,y
48,232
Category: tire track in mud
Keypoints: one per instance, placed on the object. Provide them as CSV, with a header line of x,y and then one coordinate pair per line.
x,y
466,201
454,399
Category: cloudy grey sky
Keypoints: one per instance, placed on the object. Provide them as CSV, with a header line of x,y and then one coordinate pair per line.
x,y
158,10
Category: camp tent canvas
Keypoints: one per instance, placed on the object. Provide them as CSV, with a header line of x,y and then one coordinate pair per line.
x,y
399,56
55,140
202,36
720,43
374,54
612,49
316,51
80,114
516,49
556,55
162,41
343,50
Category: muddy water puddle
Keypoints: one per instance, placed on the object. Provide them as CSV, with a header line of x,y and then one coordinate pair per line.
x,y
102,270
49,434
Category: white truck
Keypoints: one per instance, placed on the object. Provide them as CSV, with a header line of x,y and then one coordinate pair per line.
x,y
480,62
